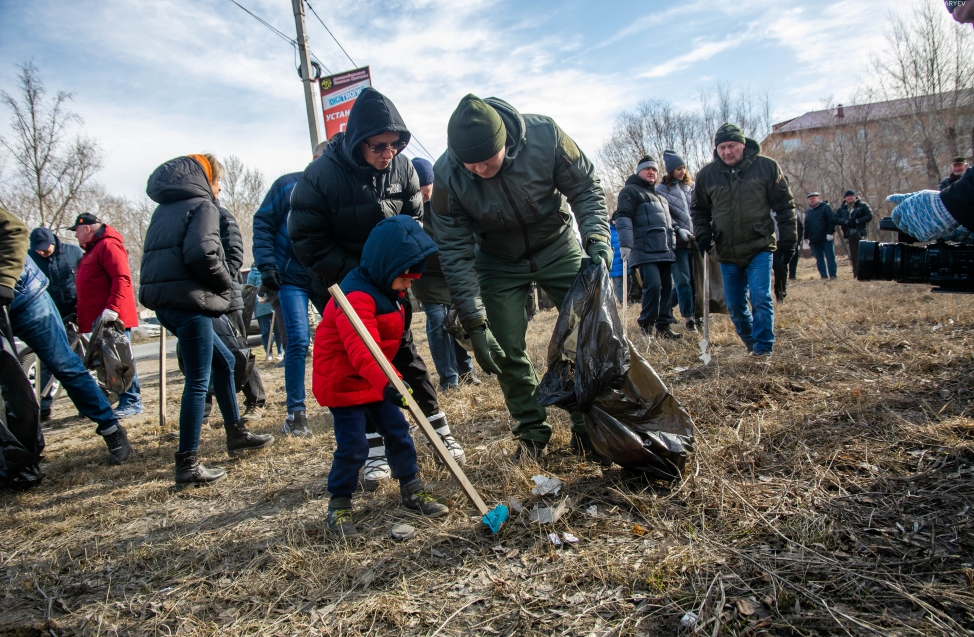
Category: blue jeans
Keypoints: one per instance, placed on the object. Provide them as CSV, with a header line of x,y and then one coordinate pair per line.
x,y
681,282
449,357
352,447
294,306
133,395
824,252
38,324
265,333
757,334
201,351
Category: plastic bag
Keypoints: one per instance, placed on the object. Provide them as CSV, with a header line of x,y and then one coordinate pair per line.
x,y
110,356
243,359
21,439
717,305
631,417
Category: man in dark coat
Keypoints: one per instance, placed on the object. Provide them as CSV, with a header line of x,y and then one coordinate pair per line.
x,y
647,242
957,168
289,284
59,263
732,206
853,216
360,179
820,232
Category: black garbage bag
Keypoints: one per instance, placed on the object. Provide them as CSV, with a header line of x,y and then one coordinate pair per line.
x,y
249,293
110,356
587,354
21,439
631,417
243,359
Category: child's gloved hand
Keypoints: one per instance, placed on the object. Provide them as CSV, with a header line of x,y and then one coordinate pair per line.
x,y
392,395
922,215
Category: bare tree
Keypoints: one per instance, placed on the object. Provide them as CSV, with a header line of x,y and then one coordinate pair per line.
x,y
927,62
51,165
242,194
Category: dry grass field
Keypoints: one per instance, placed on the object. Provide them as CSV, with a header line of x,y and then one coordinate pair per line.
x,y
830,493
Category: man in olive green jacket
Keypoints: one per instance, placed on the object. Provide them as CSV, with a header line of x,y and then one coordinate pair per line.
x,y
501,197
732,205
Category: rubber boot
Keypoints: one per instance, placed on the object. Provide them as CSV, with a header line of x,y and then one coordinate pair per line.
x,y
190,473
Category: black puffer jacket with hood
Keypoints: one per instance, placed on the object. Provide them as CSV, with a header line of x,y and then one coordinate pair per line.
x,y
340,198
233,250
183,263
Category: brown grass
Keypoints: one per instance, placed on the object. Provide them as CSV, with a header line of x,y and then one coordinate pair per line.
x,y
830,493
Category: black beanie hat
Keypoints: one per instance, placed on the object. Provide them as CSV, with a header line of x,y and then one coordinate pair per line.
x,y
475,132
850,193
424,170
728,133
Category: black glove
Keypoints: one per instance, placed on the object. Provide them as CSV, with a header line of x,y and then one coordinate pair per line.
x,y
392,395
6,295
271,278
704,243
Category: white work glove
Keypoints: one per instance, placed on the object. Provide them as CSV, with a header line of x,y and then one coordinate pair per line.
x,y
829,237
625,253
922,215
107,316
684,234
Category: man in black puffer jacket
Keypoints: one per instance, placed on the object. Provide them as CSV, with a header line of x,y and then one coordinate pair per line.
x,y
360,179
646,230
820,231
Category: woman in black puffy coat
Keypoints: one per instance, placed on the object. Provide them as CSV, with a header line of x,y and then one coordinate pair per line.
x,y
186,280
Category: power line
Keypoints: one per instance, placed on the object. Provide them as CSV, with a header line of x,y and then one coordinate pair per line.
x,y
331,34
284,36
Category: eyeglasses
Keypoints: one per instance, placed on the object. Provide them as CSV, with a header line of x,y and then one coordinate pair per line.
x,y
378,149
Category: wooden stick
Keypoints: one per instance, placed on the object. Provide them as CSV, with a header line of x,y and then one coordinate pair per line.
x,y
393,377
625,294
162,378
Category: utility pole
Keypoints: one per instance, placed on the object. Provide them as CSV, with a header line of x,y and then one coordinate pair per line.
x,y
310,85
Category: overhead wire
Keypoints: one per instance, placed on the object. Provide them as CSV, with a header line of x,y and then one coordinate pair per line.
x,y
294,43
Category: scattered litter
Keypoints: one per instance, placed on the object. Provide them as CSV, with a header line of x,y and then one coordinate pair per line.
x,y
555,540
592,511
638,530
680,370
704,356
546,485
938,327
571,539
402,532
689,620
496,517
516,505
548,515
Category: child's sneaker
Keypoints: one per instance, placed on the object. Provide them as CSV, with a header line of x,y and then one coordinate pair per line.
x,y
376,469
416,496
442,429
340,525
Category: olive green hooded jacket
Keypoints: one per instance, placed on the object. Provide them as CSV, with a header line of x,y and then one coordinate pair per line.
x,y
519,220
733,205
14,239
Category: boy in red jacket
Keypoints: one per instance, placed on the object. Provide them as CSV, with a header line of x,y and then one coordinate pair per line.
x,y
348,381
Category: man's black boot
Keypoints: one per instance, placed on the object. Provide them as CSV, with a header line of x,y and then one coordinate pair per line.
x,y
190,473
528,450
118,445
667,333
581,445
240,439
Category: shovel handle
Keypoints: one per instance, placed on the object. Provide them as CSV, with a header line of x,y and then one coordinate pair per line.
x,y
393,377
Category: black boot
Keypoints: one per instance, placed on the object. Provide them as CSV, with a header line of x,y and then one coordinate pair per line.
x,y
240,439
118,445
339,522
190,473
417,497
581,445
528,450
667,334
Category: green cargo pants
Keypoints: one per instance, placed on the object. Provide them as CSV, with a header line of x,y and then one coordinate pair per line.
x,y
504,295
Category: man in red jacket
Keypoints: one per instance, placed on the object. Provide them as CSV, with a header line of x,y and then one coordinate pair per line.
x,y
104,285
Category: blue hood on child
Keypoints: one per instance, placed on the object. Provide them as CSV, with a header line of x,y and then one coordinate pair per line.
x,y
395,245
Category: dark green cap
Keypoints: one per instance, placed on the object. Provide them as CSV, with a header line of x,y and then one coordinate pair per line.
x,y
475,132
729,133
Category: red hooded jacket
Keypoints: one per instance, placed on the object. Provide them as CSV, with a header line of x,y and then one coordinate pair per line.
x,y
345,374
104,281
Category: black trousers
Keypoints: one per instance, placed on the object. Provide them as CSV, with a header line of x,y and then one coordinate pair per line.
x,y
793,264
854,254
657,288
409,363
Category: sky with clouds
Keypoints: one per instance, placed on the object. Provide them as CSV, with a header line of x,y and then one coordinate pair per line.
x,y
155,79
